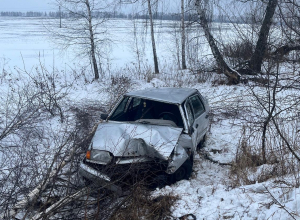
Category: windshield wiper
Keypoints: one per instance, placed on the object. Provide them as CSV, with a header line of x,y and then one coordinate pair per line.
x,y
144,122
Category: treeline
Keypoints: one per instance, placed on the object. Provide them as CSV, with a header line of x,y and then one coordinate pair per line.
x,y
58,14
98,14
191,17
24,14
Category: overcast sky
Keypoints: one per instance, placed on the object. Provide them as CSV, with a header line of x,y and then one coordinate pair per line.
x,y
26,5
47,5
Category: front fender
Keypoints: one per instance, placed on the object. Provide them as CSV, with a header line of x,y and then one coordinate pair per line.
x,y
178,157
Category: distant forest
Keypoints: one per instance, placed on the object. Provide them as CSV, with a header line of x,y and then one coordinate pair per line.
x,y
98,14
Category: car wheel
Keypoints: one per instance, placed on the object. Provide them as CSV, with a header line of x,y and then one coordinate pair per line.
x,y
159,181
201,143
183,172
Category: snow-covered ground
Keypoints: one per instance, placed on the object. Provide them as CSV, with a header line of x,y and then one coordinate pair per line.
x,y
212,193
214,190
29,41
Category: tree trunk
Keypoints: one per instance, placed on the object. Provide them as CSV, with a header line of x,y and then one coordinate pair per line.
x,y
152,38
182,37
92,40
232,75
261,45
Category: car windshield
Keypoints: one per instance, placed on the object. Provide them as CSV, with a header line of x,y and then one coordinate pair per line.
x,y
147,111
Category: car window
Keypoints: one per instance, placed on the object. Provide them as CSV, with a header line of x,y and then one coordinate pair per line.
x,y
136,102
132,104
189,113
134,108
121,108
197,105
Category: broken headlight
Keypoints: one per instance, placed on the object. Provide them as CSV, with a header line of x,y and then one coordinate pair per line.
x,y
100,156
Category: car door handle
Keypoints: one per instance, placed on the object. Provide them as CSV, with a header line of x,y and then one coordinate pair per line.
x,y
196,125
206,116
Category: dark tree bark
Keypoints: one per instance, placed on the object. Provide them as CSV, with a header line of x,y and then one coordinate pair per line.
x,y
283,50
92,40
152,38
183,61
261,45
232,75
80,30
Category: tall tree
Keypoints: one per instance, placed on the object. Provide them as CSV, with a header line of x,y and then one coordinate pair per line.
x,y
261,45
201,7
256,60
152,38
183,61
92,39
82,30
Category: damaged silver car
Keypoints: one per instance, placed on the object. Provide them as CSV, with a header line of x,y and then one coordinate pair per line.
x,y
152,132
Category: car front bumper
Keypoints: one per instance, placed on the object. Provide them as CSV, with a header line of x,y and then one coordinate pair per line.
x,y
98,177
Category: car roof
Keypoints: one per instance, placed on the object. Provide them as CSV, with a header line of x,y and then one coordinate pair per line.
x,y
164,94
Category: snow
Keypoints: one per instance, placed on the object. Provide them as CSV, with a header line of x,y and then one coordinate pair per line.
x,y
21,44
208,196
212,192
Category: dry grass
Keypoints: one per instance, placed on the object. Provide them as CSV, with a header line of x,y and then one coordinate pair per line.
x,y
141,205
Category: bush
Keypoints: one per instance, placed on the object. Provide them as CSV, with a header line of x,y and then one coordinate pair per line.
x,y
141,205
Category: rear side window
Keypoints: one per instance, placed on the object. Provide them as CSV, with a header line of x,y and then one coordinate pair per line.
x,y
197,105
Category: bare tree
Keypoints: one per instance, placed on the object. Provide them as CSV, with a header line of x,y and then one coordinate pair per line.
x,y
261,44
289,14
272,107
84,29
25,105
92,39
183,61
152,37
202,10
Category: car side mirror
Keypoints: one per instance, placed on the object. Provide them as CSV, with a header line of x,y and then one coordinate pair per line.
x,y
103,116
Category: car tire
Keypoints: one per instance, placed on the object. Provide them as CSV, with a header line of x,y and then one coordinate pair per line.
x,y
159,181
183,172
201,143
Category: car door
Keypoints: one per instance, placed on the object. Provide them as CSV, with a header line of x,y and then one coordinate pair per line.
x,y
200,116
191,123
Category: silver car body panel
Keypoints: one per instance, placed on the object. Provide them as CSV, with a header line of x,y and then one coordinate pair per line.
x,y
186,126
168,95
94,175
136,140
91,173
97,162
185,141
178,158
133,160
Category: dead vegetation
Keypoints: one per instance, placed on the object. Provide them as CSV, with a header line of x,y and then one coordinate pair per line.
x,y
141,204
43,138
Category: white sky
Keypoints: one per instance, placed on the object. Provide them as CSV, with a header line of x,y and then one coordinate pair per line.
x,y
26,5
49,5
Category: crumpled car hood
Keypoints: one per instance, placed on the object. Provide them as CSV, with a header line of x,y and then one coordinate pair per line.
x,y
130,139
